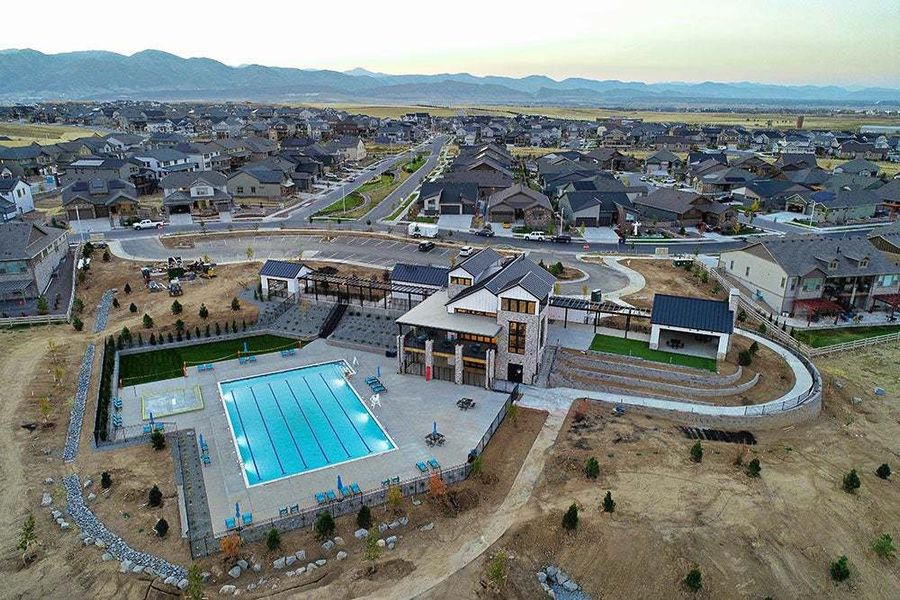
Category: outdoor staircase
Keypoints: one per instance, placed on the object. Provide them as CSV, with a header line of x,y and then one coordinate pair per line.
x,y
331,322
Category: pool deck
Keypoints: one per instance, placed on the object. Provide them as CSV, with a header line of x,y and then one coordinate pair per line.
x,y
408,408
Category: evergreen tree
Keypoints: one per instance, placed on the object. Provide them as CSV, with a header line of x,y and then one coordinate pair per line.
x,y
609,505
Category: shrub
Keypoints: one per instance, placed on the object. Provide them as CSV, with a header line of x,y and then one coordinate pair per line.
x,y
883,546
115,302
161,528
324,525
394,496
169,337
884,471
477,465
364,517
851,482
496,572
176,307
235,304
204,312
218,329
570,519
754,468
197,332
372,551
127,288
206,334
158,440
704,277
273,539
105,480
694,580
148,321
592,468
840,569
154,496
742,315
231,545
697,452
745,358
77,305
762,329
179,325
42,305
77,323
152,339
132,307
26,534
436,486
609,505
106,256
194,589
754,348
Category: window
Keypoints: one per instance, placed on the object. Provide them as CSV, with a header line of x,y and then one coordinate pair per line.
x,y
747,272
887,280
467,311
812,284
519,306
731,268
833,264
481,339
783,281
252,189
864,262
460,281
240,189
516,337
793,283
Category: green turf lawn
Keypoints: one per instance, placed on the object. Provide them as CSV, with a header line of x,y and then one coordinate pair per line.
x,y
157,365
641,349
817,338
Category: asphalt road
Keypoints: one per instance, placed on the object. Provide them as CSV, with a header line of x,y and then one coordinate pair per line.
x,y
386,206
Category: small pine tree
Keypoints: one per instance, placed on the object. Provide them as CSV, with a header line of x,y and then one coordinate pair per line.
x,y
204,312
132,307
147,321
235,304
496,572
273,539
694,580
106,256
762,328
324,525
697,452
206,334
840,569
42,305
194,589
745,358
609,505
197,332
158,440
373,551
154,496
883,546
126,289
851,482
218,329
754,347
105,480
884,471
26,534
176,307
233,326
179,325
140,339
754,468
77,323
570,519
592,468
152,339
364,517
161,528
169,338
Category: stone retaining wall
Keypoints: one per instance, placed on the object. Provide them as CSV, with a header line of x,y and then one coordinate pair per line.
x,y
131,560
690,392
644,367
103,310
70,451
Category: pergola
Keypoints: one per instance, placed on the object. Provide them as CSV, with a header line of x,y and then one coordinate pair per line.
x,y
316,283
597,309
816,306
892,300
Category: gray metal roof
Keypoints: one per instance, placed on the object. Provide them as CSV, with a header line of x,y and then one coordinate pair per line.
x,y
692,313
14,286
800,255
281,268
420,274
479,262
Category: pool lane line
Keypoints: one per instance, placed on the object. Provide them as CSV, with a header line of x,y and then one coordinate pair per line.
x,y
324,414
288,426
312,429
244,431
268,435
343,410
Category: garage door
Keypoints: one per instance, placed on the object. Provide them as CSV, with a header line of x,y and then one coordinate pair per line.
x,y
605,220
586,221
451,209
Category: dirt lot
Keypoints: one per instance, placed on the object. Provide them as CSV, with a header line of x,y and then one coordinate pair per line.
x,y
663,278
752,538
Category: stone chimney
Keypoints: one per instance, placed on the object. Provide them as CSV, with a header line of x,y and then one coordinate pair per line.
x,y
733,296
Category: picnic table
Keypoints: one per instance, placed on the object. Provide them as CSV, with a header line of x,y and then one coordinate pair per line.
x,y
465,403
434,439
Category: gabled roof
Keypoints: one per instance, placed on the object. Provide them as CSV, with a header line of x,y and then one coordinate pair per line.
x,y
800,255
450,192
99,192
520,271
669,199
479,262
692,313
420,274
856,166
281,269
663,156
533,197
262,175
23,240
579,201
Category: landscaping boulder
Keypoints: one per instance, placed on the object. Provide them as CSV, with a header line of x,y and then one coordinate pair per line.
x,y
278,563
541,577
382,527
392,539
311,567
243,564
361,534
393,524
427,527
338,540
381,543
289,560
300,554
235,571
125,566
182,584
320,562
341,555
170,580
257,567
404,521
46,499
106,556
328,545
570,586
561,577
226,590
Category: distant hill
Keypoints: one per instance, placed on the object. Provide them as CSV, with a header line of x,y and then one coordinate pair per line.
x,y
28,75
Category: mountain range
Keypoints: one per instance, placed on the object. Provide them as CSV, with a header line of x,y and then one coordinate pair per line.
x,y
29,75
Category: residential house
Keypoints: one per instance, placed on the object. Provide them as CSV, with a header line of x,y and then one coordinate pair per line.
x,y
260,183
594,208
105,199
662,162
834,207
520,204
29,256
447,198
85,169
205,192
160,162
16,196
668,205
858,166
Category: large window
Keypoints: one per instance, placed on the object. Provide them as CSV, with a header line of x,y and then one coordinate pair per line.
x,y
519,306
481,339
516,337
460,280
466,311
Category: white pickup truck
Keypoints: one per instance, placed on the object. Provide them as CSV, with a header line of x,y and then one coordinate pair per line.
x,y
148,224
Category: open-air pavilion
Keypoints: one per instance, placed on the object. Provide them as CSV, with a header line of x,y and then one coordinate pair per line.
x,y
693,326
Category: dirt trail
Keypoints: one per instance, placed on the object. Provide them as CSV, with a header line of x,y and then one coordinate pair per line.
x,y
440,561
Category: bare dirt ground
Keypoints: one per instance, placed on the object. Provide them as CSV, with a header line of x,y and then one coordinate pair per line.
x,y
664,278
752,538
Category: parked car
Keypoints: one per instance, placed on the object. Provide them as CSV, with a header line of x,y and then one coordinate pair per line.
x,y
536,236
426,246
485,232
466,251
562,239
148,224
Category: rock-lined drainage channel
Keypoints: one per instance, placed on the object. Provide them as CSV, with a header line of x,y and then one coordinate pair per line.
x,y
70,451
559,585
103,310
93,532
716,435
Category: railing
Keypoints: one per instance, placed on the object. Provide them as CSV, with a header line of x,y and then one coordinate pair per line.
x,y
861,343
135,434
332,320
283,306
49,319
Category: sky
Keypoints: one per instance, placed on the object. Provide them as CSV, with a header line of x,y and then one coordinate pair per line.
x,y
840,42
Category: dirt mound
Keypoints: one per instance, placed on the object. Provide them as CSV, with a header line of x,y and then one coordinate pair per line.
x,y
387,571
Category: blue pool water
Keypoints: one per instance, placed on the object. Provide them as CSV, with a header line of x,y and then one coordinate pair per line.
x,y
295,421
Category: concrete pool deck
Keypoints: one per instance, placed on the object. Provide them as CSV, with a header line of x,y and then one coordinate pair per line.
x,y
408,409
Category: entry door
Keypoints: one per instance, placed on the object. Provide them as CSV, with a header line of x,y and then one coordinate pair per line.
x,y
514,373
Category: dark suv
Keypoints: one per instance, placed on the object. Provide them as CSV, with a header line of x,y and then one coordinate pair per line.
x,y
426,246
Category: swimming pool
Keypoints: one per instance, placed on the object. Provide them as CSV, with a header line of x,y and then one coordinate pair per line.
x,y
291,422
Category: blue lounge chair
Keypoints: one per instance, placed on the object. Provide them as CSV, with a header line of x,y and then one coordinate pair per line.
x,y
371,379
320,497
160,427
283,512
386,482
331,495
434,464
247,518
209,366
229,524
205,459
147,428
345,492
117,403
378,389
354,487
201,368
292,352
295,509
204,445
251,358
422,467
395,480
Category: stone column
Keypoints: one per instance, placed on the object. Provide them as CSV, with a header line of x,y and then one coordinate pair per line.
x,y
429,356
458,366
489,369
654,337
401,355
